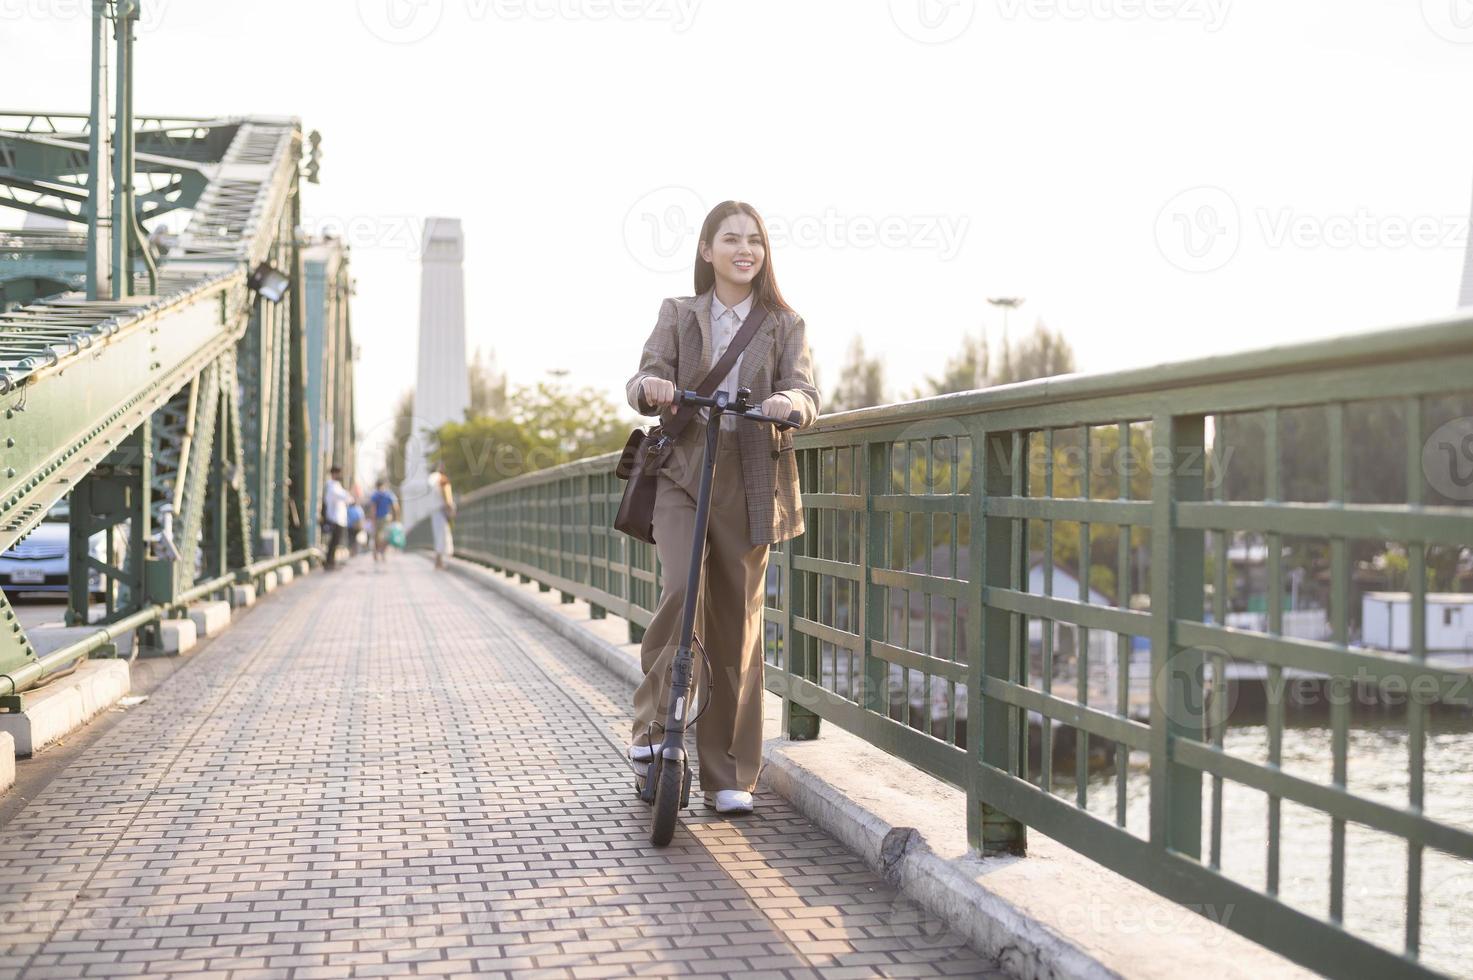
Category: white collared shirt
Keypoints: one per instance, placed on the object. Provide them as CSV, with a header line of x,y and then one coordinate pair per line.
x,y
338,500
725,322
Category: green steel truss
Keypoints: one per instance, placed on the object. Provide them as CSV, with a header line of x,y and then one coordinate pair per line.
x,y
185,400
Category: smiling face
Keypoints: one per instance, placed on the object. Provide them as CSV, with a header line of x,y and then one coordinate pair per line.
x,y
736,252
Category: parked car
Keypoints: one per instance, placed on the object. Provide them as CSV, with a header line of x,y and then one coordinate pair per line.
x,y
38,562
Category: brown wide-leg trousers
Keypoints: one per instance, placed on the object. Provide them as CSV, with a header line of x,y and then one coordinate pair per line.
x,y
728,619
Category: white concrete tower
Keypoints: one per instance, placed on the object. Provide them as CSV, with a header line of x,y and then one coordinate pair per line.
x,y
441,384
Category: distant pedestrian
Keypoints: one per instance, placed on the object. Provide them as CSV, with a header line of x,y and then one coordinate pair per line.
x,y
384,508
442,517
355,525
335,501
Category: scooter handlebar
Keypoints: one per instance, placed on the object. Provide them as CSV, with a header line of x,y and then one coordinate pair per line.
x,y
794,419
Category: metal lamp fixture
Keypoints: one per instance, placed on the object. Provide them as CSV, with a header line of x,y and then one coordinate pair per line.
x,y
270,282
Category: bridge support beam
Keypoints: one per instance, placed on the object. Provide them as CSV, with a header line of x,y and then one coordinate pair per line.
x,y
192,488
996,733
800,653
227,524
117,491
1177,580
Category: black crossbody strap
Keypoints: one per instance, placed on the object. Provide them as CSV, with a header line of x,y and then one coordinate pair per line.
x,y
719,371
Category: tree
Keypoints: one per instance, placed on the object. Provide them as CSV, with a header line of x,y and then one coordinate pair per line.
x,y
487,386
1109,460
861,381
965,370
545,425
485,450
487,396
1042,354
394,452
578,423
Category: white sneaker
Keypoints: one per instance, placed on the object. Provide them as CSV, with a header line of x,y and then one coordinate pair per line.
x,y
733,801
642,753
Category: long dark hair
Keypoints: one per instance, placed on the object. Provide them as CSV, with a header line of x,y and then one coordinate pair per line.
x,y
764,287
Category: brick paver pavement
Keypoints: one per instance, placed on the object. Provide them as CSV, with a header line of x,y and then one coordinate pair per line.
x,y
383,774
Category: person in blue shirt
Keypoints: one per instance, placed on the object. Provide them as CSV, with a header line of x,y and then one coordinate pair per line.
x,y
385,508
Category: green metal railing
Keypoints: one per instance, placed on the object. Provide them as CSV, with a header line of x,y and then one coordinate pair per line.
x,y
905,610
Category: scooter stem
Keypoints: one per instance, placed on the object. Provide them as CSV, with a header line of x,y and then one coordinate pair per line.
x,y
673,746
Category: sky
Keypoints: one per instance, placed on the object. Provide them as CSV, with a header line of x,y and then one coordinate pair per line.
x,y
1159,179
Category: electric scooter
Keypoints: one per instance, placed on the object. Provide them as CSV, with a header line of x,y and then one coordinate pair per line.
x,y
665,779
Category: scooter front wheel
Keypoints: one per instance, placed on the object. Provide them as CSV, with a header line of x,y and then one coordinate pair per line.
x,y
667,802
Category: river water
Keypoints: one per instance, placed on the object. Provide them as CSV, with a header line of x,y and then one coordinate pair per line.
x,y
1376,864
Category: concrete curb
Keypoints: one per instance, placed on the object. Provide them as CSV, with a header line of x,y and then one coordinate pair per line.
x,y
7,761
56,710
946,887
1025,946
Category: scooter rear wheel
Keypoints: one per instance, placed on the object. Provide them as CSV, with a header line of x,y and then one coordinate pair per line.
x,y
667,802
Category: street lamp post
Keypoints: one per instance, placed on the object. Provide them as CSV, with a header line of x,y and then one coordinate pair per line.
x,y
1007,304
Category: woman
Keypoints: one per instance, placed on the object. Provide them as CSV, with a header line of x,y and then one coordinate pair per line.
x,y
442,518
754,495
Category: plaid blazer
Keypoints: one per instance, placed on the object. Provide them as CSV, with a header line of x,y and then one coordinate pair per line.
x,y
776,361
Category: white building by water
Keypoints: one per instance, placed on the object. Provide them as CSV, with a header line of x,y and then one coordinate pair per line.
x,y
441,384
1386,621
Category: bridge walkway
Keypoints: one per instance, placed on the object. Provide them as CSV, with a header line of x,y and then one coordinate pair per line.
x,y
353,781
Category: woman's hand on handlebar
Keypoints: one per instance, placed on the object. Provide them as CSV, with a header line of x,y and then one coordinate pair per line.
x,y
775,408
657,392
